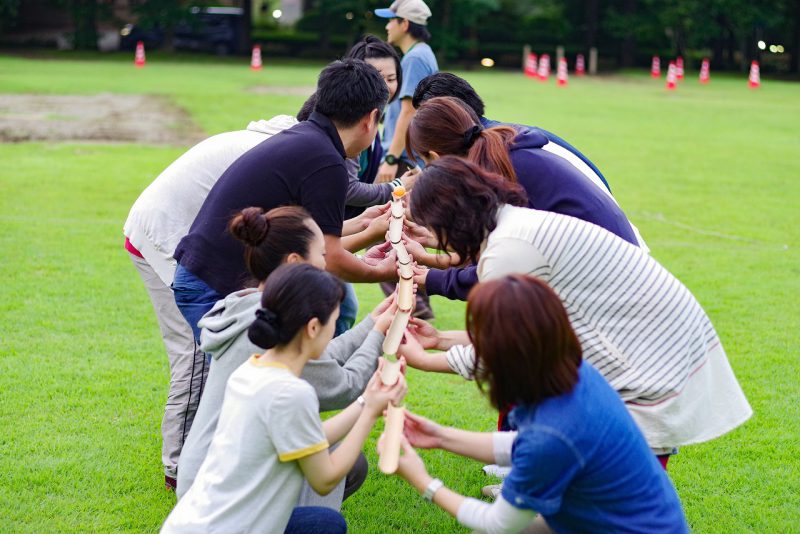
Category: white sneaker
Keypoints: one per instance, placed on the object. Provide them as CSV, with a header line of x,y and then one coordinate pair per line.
x,y
492,490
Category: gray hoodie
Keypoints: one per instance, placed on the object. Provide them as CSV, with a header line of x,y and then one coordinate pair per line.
x,y
339,376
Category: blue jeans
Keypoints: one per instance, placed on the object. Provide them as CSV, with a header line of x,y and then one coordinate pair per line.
x,y
348,311
315,520
193,297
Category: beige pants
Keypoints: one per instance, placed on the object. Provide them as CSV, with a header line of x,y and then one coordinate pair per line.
x,y
187,366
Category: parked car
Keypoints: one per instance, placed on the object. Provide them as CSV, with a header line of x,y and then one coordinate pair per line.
x,y
207,29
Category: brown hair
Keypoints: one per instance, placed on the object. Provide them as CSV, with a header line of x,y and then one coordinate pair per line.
x,y
269,237
458,201
446,125
525,348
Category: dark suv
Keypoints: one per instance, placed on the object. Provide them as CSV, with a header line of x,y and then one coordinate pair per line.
x,y
207,29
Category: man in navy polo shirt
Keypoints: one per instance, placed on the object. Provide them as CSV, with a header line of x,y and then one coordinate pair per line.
x,y
305,166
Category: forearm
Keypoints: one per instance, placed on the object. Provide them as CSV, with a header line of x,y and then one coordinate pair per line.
x,y
401,127
343,458
445,498
349,268
476,445
352,226
364,195
434,261
435,362
338,384
360,240
449,338
337,426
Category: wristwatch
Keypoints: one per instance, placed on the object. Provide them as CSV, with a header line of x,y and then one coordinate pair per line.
x,y
391,159
433,486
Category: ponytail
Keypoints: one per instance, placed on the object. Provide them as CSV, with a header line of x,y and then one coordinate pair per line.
x,y
490,151
447,126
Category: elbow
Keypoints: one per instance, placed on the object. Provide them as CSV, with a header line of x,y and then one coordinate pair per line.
x,y
323,487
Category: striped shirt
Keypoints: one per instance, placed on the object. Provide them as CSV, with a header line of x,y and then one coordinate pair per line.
x,y
637,324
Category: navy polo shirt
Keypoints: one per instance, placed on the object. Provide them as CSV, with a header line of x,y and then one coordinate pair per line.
x,y
302,166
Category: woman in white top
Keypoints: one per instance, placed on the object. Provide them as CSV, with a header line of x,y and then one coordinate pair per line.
x,y
638,325
269,436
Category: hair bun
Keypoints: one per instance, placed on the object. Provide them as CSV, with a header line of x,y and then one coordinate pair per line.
x,y
265,331
250,226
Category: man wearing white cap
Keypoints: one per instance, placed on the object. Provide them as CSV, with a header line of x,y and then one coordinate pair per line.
x,y
407,31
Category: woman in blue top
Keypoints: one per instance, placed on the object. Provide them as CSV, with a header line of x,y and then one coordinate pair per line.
x,y
577,458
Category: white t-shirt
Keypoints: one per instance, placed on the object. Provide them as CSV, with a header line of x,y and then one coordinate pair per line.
x,y
164,212
250,480
637,324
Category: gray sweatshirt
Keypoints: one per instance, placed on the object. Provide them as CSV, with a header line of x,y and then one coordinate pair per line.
x,y
339,376
362,194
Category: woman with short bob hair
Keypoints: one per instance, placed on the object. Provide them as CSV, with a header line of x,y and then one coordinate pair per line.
x,y
576,456
637,324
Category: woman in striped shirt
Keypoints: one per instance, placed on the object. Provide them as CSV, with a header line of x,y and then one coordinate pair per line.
x,y
637,324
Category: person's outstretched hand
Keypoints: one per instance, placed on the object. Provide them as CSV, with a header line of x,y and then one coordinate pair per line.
x,y
422,432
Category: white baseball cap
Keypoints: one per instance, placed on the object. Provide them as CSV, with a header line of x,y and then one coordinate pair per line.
x,y
416,11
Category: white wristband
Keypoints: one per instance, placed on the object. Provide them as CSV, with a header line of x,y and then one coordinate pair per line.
x,y
434,486
361,401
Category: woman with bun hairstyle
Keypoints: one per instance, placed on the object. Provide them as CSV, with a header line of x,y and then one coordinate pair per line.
x,y
270,436
447,126
576,456
638,325
284,235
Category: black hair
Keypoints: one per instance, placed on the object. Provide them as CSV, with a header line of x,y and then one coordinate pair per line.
x,y
270,237
447,84
417,31
307,109
349,89
371,47
293,295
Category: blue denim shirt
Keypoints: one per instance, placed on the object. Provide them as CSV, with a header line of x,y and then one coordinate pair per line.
x,y
580,460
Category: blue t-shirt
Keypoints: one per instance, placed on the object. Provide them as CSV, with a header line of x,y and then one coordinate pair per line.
x,y
580,460
418,63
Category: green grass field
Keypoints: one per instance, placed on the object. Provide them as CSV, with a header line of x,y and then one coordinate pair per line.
x,y
708,174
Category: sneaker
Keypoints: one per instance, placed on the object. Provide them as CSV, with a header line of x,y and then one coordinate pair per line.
x,y
170,483
492,490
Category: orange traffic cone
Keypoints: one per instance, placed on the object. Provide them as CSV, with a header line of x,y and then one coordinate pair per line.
x,y
755,75
255,58
544,68
580,66
531,66
671,77
705,71
655,68
138,59
561,74
679,68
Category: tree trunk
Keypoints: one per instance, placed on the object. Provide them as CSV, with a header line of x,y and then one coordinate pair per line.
x,y
592,22
628,52
244,44
794,61
84,16
444,47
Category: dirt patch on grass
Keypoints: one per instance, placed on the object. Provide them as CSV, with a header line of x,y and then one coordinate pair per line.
x,y
279,90
104,117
